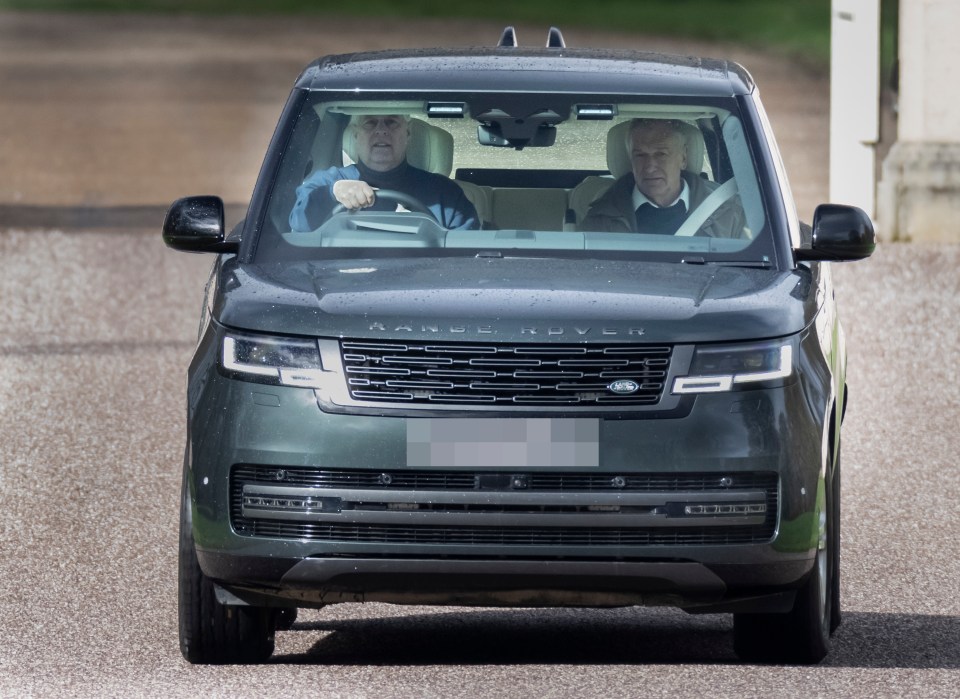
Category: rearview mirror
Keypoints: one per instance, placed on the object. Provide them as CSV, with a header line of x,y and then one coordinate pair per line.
x,y
492,135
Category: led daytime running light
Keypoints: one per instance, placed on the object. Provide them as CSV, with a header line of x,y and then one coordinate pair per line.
x,y
786,368
230,361
725,382
301,377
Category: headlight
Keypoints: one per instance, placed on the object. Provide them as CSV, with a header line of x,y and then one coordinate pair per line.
x,y
282,361
726,367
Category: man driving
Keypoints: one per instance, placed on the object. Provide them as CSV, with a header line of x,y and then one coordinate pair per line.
x,y
381,142
660,193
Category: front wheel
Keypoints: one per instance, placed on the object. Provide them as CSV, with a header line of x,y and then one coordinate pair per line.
x,y
210,632
802,635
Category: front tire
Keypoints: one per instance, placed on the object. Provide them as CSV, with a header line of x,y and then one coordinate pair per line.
x,y
802,635
210,632
835,609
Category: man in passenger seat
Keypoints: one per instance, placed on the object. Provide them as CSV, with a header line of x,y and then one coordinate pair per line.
x,y
659,194
381,163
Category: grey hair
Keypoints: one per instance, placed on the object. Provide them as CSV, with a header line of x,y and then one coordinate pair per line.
x,y
355,118
675,126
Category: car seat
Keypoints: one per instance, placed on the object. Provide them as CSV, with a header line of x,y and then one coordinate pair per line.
x,y
618,162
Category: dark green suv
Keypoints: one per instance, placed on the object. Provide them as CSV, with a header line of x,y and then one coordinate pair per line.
x,y
517,327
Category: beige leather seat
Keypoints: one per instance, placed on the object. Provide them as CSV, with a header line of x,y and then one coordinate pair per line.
x,y
618,162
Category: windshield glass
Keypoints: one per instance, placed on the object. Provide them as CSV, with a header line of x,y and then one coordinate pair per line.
x,y
514,175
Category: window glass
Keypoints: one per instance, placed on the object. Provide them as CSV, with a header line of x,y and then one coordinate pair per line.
x,y
562,175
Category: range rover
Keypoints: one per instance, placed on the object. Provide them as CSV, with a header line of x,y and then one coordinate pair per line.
x,y
529,408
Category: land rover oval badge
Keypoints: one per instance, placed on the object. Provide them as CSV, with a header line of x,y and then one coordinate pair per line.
x,y
624,387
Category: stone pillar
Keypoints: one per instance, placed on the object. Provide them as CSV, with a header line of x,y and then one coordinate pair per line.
x,y
854,102
919,190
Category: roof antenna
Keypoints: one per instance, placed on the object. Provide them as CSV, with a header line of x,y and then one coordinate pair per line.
x,y
555,39
508,38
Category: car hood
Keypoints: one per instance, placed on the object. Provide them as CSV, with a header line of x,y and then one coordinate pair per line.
x,y
514,300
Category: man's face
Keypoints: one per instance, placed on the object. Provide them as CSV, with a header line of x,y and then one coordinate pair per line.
x,y
382,141
658,154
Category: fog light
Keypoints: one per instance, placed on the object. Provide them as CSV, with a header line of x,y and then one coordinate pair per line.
x,y
725,509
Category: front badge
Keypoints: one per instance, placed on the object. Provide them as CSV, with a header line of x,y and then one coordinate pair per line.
x,y
623,387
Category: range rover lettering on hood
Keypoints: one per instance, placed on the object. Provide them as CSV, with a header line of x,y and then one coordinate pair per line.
x,y
552,330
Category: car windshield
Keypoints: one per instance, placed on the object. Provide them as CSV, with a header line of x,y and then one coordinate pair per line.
x,y
517,175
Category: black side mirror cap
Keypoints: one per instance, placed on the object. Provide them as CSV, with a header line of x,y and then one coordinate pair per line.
x,y
839,233
195,224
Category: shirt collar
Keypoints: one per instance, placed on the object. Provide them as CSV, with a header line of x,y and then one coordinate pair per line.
x,y
639,198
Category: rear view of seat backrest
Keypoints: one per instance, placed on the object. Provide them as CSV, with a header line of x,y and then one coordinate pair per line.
x,y
482,199
529,208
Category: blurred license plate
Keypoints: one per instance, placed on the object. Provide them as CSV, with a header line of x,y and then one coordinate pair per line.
x,y
503,443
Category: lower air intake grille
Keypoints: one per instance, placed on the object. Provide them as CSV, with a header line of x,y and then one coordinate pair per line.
x,y
513,536
479,494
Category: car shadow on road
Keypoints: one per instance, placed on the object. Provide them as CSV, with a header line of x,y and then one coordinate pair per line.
x,y
607,637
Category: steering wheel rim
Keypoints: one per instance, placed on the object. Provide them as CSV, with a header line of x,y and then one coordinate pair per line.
x,y
409,202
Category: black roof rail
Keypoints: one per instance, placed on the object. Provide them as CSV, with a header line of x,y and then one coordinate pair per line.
x,y
508,37
555,39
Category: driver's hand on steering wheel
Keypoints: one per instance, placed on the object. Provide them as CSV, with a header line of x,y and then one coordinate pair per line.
x,y
353,194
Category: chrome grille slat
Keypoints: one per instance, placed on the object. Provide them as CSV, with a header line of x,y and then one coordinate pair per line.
x,y
378,371
461,349
431,385
486,386
461,373
477,398
506,362
510,374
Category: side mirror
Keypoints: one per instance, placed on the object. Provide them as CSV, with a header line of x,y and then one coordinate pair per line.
x,y
839,233
195,224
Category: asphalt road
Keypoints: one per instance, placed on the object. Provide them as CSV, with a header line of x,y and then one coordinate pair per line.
x,y
97,327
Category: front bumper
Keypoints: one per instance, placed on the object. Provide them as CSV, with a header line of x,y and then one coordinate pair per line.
x,y
521,583
668,514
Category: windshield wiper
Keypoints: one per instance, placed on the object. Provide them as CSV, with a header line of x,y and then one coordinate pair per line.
x,y
759,264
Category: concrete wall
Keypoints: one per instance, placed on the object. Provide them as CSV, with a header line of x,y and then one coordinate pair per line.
x,y
919,190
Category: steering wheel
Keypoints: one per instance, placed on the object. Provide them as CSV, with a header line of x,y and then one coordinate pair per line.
x,y
413,204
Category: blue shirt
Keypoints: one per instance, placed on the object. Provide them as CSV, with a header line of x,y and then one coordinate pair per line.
x,y
443,197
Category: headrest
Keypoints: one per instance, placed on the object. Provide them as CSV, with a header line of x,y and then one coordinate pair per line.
x,y
430,148
618,158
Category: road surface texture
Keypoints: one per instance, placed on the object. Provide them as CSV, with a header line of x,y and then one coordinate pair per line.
x,y
103,121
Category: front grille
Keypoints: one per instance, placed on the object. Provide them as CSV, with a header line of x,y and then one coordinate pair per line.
x,y
273,502
504,375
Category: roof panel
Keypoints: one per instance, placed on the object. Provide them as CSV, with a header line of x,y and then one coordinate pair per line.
x,y
523,69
